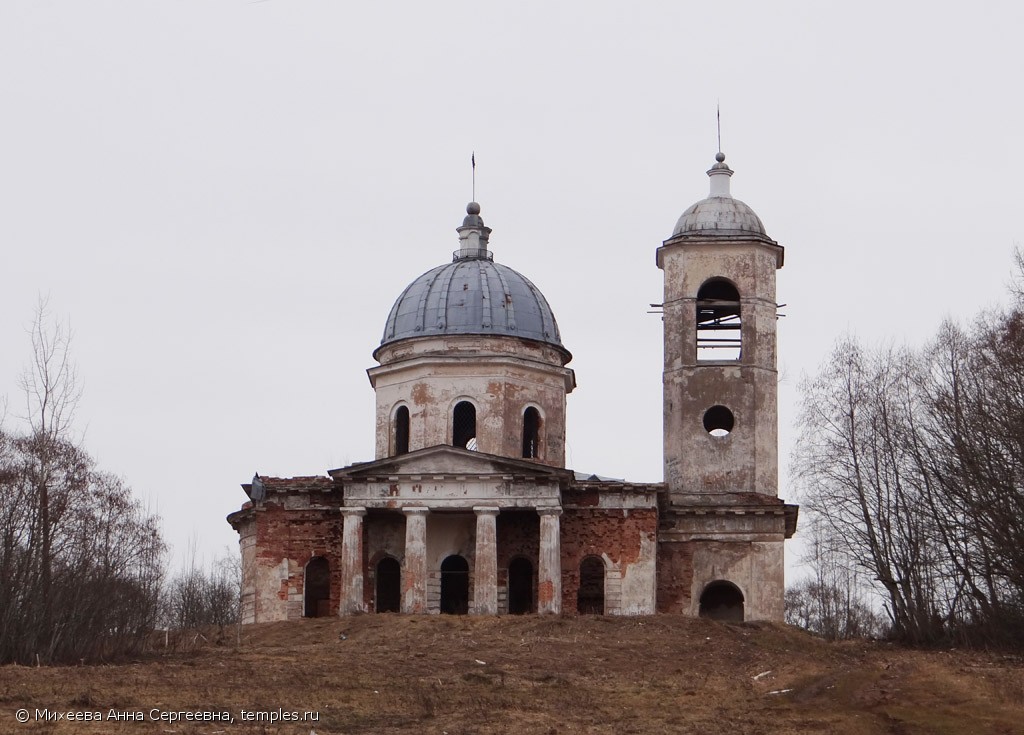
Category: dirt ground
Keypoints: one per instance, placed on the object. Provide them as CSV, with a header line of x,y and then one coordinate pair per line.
x,y
463,675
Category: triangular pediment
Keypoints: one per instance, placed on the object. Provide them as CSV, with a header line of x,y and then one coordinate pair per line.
x,y
448,461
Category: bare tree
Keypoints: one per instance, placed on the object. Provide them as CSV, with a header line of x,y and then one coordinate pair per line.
x,y
912,463
1017,283
80,559
51,392
198,596
975,460
834,601
862,482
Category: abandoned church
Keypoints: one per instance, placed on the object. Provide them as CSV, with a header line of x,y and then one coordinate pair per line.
x,y
468,507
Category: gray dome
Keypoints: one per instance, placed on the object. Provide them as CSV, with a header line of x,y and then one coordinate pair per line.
x,y
720,215
472,295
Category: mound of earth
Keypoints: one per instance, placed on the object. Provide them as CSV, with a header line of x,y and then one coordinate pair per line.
x,y
522,674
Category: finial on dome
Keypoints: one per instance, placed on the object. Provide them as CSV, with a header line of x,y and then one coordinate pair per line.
x,y
720,173
473,235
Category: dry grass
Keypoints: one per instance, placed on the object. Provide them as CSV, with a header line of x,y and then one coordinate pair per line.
x,y
397,674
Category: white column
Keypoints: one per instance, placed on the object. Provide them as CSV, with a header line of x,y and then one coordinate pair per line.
x,y
414,572
485,575
352,562
549,571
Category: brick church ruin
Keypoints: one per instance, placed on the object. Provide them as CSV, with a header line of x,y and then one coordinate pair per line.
x,y
468,506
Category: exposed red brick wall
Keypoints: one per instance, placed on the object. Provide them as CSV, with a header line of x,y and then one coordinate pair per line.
x,y
518,535
299,535
675,576
594,531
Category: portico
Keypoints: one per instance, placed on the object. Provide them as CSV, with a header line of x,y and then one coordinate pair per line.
x,y
433,538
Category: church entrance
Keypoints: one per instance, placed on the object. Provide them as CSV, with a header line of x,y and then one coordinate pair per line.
x,y
317,593
389,585
520,586
722,601
590,598
455,586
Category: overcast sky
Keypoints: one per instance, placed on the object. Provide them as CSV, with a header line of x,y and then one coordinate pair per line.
x,y
225,198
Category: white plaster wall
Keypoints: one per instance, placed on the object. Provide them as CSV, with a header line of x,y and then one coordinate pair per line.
x,y
500,376
756,568
452,493
269,576
638,580
747,459
247,549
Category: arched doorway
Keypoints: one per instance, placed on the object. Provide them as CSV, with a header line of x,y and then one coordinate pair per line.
x,y
317,592
389,585
590,598
520,586
723,601
455,586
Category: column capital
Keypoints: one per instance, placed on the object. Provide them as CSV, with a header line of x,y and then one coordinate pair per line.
x,y
414,509
481,510
549,511
353,511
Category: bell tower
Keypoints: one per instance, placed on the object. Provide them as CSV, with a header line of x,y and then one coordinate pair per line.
x,y
720,382
722,527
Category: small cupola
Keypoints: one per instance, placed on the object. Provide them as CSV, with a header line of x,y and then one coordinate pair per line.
x,y
720,214
474,236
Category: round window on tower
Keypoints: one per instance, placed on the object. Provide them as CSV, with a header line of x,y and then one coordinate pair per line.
x,y
718,421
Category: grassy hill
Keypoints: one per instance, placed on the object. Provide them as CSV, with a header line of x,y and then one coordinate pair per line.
x,y
397,674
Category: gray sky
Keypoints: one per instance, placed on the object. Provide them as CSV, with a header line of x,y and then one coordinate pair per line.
x,y
225,198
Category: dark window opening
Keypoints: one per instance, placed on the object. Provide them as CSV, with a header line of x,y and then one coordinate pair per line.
x,y
718,321
317,595
531,433
455,586
719,421
722,601
464,425
590,598
402,430
520,586
389,585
